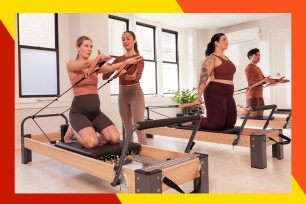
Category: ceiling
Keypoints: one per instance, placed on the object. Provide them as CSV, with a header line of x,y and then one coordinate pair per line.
x,y
203,20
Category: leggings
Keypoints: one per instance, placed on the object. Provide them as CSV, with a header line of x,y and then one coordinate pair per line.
x,y
220,107
131,108
85,112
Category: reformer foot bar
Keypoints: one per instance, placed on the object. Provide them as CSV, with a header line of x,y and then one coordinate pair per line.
x,y
256,139
139,168
278,121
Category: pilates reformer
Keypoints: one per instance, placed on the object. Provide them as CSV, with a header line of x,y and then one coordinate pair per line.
x,y
156,171
150,169
256,139
151,109
276,121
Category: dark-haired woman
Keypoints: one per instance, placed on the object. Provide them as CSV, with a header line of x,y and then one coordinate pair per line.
x,y
218,92
131,98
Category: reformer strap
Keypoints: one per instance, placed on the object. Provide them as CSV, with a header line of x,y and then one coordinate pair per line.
x,y
92,71
93,65
287,140
114,77
173,185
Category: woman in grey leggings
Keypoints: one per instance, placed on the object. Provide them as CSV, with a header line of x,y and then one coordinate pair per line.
x,y
131,98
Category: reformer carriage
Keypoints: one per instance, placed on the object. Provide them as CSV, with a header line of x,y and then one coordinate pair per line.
x,y
156,169
256,139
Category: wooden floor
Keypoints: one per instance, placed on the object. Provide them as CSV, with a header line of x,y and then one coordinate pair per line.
x,y
229,172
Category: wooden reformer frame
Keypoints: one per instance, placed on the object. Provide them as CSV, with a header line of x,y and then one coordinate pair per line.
x,y
277,122
256,139
192,166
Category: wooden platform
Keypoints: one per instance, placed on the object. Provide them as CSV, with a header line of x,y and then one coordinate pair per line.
x,y
215,137
256,139
133,181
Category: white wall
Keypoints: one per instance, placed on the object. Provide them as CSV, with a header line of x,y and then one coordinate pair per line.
x,y
267,26
192,45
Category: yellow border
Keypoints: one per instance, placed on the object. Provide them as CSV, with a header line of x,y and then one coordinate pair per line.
x,y
9,8
297,196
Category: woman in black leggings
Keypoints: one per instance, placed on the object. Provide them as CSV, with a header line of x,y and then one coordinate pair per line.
x,y
218,93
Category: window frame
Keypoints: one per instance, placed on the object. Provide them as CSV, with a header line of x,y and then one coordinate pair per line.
x,y
127,21
55,49
154,54
176,57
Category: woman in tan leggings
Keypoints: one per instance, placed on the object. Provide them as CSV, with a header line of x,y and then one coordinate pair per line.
x,y
131,98
85,115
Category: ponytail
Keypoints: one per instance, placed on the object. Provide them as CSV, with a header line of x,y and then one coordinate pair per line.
x,y
136,48
210,49
211,45
134,37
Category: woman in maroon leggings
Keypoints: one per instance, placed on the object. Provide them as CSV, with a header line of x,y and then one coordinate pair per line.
x,y
218,93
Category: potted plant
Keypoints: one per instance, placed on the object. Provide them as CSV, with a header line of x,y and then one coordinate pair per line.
x,y
186,96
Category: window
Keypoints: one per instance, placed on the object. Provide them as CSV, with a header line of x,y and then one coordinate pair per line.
x,y
38,55
170,61
146,41
145,35
117,26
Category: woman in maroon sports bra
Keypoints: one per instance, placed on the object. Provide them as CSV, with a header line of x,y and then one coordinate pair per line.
x,y
218,93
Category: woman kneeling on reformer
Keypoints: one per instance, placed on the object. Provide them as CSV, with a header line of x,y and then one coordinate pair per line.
x,y
218,93
85,115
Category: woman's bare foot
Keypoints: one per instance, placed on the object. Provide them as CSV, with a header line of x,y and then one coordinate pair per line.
x,y
68,136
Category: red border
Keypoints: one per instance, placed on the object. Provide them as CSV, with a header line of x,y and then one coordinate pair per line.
x,y
7,171
7,100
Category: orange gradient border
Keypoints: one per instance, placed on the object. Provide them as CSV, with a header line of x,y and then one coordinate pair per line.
x,y
297,9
